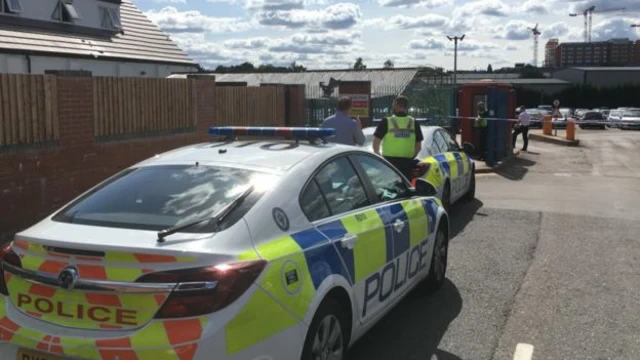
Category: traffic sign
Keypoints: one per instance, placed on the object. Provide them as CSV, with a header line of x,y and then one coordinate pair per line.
x,y
556,102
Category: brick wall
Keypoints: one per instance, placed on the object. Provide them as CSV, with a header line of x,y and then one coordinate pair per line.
x,y
36,181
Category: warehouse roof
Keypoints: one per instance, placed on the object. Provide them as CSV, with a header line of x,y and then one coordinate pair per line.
x,y
140,40
607,68
384,82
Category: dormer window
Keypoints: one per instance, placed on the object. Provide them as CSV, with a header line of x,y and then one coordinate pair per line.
x,y
110,18
65,12
10,6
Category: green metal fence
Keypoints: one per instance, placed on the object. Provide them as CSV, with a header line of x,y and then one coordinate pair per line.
x,y
430,98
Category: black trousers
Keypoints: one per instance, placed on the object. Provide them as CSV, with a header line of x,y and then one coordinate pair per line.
x,y
481,151
404,165
524,130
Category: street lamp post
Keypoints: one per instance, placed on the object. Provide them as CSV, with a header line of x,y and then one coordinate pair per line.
x,y
455,124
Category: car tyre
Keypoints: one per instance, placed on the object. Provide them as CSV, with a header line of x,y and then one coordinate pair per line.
x,y
471,193
327,338
438,268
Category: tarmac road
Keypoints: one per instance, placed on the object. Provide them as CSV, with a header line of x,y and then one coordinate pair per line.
x,y
548,255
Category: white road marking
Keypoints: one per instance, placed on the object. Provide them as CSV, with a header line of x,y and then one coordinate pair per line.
x,y
523,352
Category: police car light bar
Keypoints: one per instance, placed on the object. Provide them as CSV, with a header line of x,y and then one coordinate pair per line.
x,y
295,133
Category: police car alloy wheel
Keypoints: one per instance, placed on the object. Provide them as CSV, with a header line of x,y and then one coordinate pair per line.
x,y
326,336
438,268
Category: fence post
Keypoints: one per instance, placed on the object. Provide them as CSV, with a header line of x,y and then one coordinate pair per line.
x,y
75,107
205,88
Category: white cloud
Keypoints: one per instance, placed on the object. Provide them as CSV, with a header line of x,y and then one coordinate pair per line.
x,y
337,16
331,43
170,1
172,20
414,3
403,22
514,30
630,6
534,7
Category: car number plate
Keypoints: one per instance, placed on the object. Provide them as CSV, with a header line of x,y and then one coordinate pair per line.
x,y
24,354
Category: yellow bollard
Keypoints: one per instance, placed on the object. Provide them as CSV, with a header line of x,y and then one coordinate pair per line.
x,y
547,126
571,129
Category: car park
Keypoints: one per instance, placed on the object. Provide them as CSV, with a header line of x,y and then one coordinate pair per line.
x,y
446,165
614,117
261,249
561,122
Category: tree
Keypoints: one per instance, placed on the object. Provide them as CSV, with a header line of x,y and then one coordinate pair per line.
x,y
359,65
388,64
489,68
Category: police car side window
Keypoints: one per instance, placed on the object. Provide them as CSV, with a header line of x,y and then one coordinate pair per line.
x,y
313,204
439,143
341,186
451,144
387,183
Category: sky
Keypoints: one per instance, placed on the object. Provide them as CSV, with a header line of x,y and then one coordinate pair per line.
x,y
331,34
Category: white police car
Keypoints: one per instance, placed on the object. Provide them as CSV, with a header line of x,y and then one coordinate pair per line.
x,y
228,250
443,163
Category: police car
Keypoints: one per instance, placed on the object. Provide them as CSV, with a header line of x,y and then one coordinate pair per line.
x,y
443,163
265,249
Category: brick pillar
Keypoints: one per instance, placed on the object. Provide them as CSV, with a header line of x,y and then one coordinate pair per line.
x,y
75,108
205,99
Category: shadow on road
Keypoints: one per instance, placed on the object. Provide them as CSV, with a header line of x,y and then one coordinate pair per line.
x,y
413,329
461,214
515,169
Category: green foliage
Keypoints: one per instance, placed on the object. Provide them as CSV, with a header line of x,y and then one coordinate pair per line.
x,y
359,65
388,64
248,67
583,96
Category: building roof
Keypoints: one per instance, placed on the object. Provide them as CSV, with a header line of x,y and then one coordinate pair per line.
x,y
607,68
544,81
384,82
141,40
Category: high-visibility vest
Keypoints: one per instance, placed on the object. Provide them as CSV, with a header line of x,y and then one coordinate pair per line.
x,y
480,122
400,139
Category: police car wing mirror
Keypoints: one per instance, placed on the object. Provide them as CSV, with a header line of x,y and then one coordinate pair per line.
x,y
468,148
425,188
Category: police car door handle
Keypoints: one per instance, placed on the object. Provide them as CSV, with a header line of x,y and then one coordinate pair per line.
x,y
348,241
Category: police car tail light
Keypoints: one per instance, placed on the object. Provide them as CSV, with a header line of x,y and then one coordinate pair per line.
x,y
7,255
420,169
204,290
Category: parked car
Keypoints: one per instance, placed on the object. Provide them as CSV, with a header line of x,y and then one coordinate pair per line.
x,y
536,118
561,123
447,166
592,119
580,112
630,119
545,108
614,118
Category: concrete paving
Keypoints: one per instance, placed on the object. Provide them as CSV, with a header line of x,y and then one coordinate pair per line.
x,y
548,255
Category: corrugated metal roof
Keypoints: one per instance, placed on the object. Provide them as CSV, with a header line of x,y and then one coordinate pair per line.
x,y
548,81
607,68
142,40
383,82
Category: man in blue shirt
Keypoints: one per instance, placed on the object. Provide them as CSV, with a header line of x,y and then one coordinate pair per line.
x,y
348,130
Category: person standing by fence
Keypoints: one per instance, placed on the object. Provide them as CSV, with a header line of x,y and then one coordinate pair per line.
x,y
348,130
522,127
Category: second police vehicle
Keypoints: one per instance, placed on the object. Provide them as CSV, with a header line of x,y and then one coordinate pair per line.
x,y
265,249
443,163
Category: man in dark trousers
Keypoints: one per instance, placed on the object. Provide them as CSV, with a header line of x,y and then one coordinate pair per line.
x,y
400,136
480,126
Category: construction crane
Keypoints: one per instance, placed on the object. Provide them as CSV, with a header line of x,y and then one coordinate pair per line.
x,y
588,17
536,34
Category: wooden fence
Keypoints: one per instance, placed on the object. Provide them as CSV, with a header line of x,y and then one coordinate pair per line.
x,y
129,106
250,106
29,111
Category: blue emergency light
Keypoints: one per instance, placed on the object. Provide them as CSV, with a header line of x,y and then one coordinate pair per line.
x,y
295,133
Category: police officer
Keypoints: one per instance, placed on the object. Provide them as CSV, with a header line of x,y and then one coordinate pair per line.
x,y
400,136
480,126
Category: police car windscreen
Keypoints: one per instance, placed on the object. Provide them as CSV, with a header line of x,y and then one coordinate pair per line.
x,y
158,197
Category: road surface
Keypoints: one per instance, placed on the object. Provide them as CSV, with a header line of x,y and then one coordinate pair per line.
x,y
548,255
